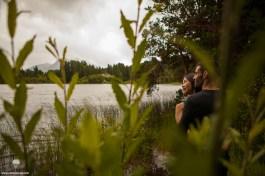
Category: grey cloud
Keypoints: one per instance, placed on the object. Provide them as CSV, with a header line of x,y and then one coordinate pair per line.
x,y
90,28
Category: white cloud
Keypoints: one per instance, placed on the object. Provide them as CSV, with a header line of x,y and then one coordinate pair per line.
x,y
90,29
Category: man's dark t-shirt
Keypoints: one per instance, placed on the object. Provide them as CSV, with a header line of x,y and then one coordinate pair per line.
x,y
198,106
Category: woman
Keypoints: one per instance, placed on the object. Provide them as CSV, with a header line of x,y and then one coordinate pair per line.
x,y
187,89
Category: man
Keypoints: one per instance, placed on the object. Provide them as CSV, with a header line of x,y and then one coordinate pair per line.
x,y
201,103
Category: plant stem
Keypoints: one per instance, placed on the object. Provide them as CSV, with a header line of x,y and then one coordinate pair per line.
x,y
13,51
134,50
25,152
64,91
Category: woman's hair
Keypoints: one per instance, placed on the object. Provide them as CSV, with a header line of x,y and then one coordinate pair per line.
x,y
189,77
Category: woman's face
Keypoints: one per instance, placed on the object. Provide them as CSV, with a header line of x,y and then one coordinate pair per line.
x,y
186,87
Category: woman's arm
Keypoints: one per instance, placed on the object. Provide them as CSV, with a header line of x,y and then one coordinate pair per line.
x,y
178,112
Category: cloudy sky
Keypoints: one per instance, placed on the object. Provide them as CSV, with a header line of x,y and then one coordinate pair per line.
x,y
90,29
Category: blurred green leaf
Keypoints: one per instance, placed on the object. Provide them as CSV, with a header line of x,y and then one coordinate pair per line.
x,y
24,53
30,127
60,110
71,145
12,17
200,54
237,138
13,145
2,149
12,111
126,25
20,100
133,114
233,169
138,171
73,82
90,140
74,120
132,148
2,116
50,51
120,95
258,155
260,101
110,163
141,120
142,81
55,79
9,107
52,47
148,15
200,136
66,167
138,55
64,53
6,71
244,76
256,130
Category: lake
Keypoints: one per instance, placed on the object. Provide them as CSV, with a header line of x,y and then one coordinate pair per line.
x,y
98,97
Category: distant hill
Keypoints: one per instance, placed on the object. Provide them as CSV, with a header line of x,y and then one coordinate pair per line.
x,y
46,67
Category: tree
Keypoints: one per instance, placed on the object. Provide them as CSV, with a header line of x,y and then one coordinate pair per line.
x,y
197,20
200,21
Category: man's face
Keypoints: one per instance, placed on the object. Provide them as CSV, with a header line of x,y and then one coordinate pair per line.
x,y
198,77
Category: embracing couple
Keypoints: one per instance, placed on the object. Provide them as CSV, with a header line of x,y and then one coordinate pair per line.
x,y
200,93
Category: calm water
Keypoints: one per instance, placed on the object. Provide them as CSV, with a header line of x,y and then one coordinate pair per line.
x,y
95,96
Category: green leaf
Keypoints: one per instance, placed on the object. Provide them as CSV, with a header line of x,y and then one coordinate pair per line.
x,y
64,52
24,53
55,79
60,110
261,100
258,155
110,163
142,81
237,138
243,77
73,82
119,94
257,129
6,71
143,118
50,51
74,120
148,15
20,100
126,24
12,18
138,171
2,116
90,139
9,107
30,127
12,111
13,145
138,55
133,114
2,149
233,169
200,54
133,147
